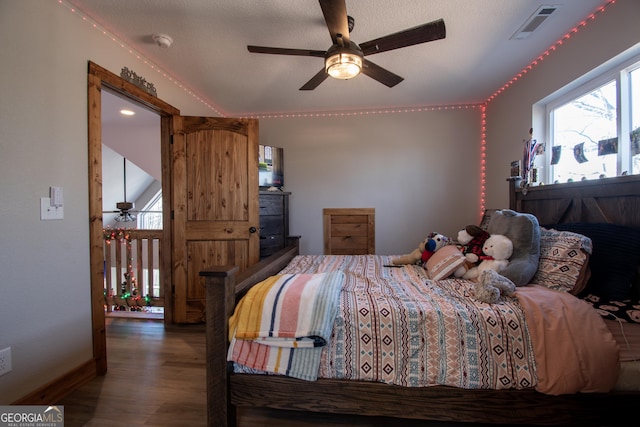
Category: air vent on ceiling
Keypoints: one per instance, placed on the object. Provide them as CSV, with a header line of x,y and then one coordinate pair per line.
x,y
534,22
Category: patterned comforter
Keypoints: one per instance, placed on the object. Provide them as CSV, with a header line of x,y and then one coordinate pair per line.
x,y
396,326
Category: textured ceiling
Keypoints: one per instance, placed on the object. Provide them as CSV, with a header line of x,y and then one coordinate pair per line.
x,y
209,54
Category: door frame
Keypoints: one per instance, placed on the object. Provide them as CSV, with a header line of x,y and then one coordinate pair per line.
x,y
99,77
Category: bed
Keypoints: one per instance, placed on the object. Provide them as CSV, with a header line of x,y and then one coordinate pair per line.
x,y
612,201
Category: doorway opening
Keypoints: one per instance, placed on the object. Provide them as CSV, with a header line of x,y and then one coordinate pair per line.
x,y
98,79
131,208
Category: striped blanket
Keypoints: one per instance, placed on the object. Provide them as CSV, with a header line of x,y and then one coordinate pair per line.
x,y
282,323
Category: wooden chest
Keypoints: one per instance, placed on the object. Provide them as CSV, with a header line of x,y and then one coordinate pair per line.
x,y
349,231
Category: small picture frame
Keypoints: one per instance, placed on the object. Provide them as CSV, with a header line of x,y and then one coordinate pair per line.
x,y
555,154
578,153
515,168
608,146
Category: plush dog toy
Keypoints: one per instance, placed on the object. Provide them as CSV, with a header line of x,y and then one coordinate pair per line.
x,y
498,248
423,252
491,286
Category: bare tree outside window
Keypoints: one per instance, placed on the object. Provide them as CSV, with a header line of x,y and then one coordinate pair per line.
x,y
595,131
580,129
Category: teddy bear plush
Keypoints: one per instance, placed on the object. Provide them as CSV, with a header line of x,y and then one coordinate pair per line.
x,y
491,286
498,248
470,241
524,232
423,252
472,238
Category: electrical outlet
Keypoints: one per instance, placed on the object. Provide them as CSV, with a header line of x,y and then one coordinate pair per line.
x,y
5,360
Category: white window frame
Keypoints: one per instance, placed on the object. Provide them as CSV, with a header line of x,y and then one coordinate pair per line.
x,y
616,69
147,207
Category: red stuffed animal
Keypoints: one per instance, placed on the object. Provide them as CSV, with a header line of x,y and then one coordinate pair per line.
x,y
471,239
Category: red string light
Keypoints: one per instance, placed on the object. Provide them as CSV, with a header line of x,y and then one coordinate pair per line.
x,y
551,49
139,56
482,106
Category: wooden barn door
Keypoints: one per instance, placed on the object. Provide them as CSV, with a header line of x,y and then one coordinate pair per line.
x,y
214,204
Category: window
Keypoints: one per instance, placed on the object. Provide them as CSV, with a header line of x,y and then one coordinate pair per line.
x,y
594,130
635,120
150,217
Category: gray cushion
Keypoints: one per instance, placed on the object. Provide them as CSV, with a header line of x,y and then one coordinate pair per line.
x,y
524,231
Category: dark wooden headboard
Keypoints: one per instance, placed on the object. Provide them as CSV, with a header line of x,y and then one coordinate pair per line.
x,y
607,200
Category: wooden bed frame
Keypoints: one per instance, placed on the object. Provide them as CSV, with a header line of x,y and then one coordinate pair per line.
x,y
613,200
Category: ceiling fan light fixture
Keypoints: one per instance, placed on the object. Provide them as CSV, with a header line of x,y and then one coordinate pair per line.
x,y
343,65
125,217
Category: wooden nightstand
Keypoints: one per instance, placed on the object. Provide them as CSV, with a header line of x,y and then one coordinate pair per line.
x,y
349,231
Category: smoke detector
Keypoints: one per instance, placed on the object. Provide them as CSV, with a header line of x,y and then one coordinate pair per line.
x,y
162,40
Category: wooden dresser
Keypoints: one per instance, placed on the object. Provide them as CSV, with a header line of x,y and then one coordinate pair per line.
x,y
274,221
349,231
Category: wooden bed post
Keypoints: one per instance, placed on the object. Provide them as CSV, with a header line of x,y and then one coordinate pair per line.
x,y
220,302
223,287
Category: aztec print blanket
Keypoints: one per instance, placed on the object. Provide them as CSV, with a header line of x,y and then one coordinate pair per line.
x,y
394,325
282,323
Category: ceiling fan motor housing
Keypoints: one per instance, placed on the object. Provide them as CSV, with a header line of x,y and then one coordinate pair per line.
x,y
124,206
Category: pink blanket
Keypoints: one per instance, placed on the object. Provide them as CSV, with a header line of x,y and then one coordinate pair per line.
x,y
570,358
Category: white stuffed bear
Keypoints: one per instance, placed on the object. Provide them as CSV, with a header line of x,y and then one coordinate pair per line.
x,y
498,248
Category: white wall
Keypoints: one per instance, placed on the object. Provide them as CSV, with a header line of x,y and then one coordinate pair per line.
x,y
45,306
419,170
509,116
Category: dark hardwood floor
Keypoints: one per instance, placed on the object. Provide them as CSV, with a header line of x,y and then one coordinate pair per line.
x,y
156,377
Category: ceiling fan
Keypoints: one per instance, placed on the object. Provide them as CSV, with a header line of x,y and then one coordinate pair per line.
x,y
125,209
345,59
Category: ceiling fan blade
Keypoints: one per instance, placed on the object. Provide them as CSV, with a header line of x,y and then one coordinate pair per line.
x,y
431,31
380,74
286,51
315,80
335,16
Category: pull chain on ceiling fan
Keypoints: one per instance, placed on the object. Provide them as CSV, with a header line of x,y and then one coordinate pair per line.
x,y
345,59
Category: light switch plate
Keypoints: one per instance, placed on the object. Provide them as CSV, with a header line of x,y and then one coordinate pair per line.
x,y
48,212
